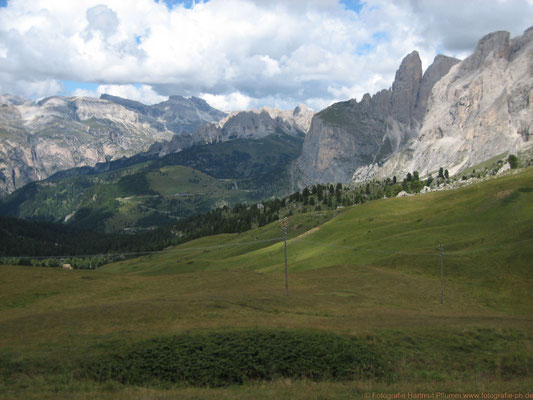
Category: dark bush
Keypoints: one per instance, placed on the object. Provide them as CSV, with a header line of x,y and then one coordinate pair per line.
x,y
226,358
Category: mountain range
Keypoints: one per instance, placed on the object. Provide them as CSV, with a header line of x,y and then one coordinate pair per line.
x,y
58,133
98,152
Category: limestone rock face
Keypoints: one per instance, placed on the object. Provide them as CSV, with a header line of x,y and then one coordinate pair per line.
x,y
457,114
302,116
482,108
351,135
58,133
440,67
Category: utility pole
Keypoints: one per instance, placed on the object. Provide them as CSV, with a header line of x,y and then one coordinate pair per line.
x,y
285,224
441,248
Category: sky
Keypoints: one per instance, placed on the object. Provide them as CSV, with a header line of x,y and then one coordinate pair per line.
x,y
235,54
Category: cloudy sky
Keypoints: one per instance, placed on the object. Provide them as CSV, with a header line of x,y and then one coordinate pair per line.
x,y
235,53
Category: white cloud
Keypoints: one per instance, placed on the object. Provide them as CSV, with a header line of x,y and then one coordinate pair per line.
x,y
236,53
228,102
102,19
28,88
145,94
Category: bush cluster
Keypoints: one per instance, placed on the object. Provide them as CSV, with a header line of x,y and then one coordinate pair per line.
x,y
226,358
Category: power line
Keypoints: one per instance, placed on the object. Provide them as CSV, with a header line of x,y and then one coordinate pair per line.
x,y
141,253
394,252
371,250
279,239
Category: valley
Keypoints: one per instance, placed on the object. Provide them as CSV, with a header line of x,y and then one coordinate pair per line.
x,y
371,273
375,248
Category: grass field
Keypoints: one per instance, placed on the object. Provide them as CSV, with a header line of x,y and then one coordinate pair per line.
x,y
370,273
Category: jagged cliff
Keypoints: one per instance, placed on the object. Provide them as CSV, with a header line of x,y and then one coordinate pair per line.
x,y
351,135
58,133
482,108
455,115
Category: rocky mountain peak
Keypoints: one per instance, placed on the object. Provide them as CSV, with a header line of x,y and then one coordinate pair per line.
x,y
176,99
456,114
480,109
200,103
303,116
178,114
299,118
494,46
441,66
405,88
300,109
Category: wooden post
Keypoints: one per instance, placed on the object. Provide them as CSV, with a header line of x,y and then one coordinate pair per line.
x,y
285,224
441,248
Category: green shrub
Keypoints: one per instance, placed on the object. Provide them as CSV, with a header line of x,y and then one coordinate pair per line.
x,y
226,358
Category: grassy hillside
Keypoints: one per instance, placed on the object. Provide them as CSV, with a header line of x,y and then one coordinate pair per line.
x,y
369,276
485,230
160,191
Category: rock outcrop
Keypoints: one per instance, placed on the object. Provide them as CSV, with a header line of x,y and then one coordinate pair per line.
x,y
58,133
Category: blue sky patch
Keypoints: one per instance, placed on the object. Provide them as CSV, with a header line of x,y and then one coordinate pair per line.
x,y
173,3
381,37
354,5
71,86
364,49
3,3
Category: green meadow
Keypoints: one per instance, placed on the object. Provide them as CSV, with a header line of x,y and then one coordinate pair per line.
x,y
364,295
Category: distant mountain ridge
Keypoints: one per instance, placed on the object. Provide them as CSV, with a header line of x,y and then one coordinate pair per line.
x,y
248,124
178,114
58,133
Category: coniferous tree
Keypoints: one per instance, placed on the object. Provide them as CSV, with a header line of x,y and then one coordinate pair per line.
x,y
513,161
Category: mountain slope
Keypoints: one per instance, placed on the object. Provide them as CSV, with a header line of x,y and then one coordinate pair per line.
x,y
370,275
